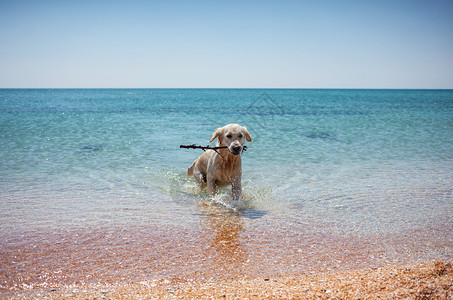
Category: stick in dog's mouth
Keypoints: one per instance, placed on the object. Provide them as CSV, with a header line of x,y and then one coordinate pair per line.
x,y
204,148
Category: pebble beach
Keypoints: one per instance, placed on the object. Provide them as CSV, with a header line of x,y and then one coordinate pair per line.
x,y
432,280
222,260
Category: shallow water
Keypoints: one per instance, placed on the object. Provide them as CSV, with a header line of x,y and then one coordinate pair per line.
x,y
369,165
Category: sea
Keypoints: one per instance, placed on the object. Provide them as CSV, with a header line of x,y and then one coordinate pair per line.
x,y
82,170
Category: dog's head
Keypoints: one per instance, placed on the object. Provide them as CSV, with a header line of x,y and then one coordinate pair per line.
x,y
233,136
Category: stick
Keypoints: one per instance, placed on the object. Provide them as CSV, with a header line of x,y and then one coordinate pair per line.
x,y
204,148
193,146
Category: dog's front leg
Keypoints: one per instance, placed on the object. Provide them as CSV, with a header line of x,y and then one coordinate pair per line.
x,y
236,189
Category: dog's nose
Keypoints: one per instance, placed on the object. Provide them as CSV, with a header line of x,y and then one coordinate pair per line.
x,y
237,148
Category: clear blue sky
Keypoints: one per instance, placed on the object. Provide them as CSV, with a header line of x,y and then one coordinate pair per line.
x,y
226,44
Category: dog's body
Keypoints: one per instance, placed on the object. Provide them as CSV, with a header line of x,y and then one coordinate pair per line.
x,y
222,168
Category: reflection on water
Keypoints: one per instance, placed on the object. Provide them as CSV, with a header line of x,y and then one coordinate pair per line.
x,y
224,229
224,245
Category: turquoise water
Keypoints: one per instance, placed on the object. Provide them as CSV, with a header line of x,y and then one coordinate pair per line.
x,y
360,161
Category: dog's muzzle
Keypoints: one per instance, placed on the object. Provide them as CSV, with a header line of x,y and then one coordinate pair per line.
x,y
235,150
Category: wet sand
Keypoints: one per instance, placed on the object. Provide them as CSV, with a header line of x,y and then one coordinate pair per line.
x,y
225,256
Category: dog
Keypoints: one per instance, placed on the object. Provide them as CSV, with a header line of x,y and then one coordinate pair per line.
x,y
222,167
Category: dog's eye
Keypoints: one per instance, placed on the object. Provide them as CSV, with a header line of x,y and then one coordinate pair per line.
x,y
240,136
229,136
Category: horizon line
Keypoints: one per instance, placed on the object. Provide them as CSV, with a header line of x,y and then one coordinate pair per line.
x,y
207,88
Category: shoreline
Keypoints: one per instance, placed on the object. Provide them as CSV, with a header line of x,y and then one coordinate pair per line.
x,y
419,281
224,256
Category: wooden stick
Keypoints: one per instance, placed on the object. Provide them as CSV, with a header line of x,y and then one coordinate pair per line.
x,y
204,148
193,146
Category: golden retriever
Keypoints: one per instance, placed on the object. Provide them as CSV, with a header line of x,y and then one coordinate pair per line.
x,y
222,167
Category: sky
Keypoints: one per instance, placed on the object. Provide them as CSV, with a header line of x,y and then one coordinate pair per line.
x,y
226,44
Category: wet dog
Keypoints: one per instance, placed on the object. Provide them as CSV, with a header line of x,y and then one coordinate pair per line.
x,y
220,168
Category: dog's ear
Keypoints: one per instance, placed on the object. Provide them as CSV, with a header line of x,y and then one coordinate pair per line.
x,y
247,135
217,134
